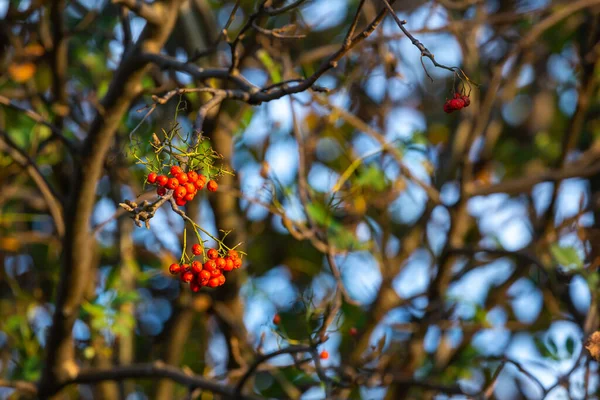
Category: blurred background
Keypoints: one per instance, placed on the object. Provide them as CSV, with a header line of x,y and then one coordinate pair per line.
x,y
455,255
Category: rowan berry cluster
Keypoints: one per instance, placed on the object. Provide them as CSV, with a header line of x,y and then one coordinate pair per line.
x,y
184,185
211,272
459,102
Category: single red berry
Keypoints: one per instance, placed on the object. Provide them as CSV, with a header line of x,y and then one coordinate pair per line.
x,y
467,100
195,286
175,169
222,280
233,253
448,108
192,176
189,197
220,262
210,265
182,178
187,276
212,186
215,273
276,319
353,331
324,355
196,267
162,180
202,178
180,202
197,249
457,104
190,188
237,263
174,268
199,184
152,177
204,276
172,183
228,264
213,254
213,282
161,191
179,192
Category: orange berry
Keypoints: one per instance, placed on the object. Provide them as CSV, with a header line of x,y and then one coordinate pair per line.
x,y
233,253
197,249
180,202
213,254
228,264
324,355
212,186
210,265
162,180
172,183
220,262
196,267
179,192
192,176
199,184
213,282
204,276
187,276
174,268
237,263
175,169
222,280
189,197
152,177
276,319
182,178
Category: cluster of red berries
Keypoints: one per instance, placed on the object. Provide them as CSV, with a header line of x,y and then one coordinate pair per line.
x,y
458,102
184,185
211,272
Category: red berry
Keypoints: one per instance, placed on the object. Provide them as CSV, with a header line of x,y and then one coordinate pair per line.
x,y
174,268
192,176
233,254
237,263
190,188
457,104
467,100
228,264
448,108
199,184
175,169
222,280
220,262
324,355
353,331
204,276
456,95
202,178
152,177
161,191
172,183
210,265
276,319
213,282
213,254
196,267
195,286
197,249
182,178
212,186
162,180
180,202
187,276
215,273
189,197
179,192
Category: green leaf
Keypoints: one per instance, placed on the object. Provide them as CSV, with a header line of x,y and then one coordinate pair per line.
x,y
570,345
566,256
268,62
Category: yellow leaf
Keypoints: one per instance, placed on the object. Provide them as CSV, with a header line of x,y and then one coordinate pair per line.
x,y
21,72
